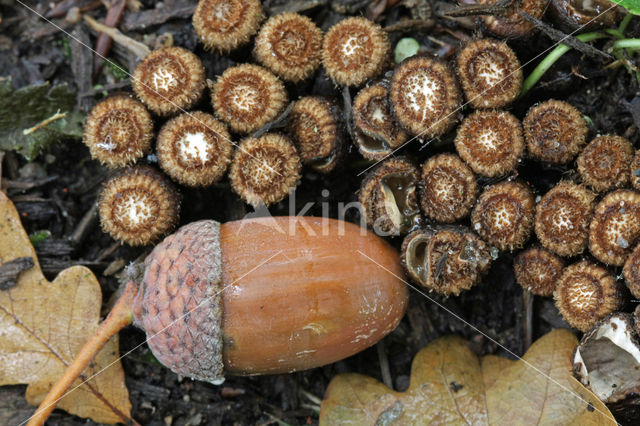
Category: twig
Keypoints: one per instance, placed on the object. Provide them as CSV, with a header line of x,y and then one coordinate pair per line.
x,y
559,36
84,226
140,50
57,116
104,42
409,25
478,9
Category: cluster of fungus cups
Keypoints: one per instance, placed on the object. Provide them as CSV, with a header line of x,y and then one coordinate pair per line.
x,y
456,209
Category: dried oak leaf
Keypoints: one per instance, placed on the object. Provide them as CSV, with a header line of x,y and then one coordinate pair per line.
x,y
44,324
451,385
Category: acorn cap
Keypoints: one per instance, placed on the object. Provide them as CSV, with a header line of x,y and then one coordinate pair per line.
x,y
585,293
615,227
424,96
537,270
605,163
169,80
631,272
490,142
447,260
389,198
503,215
290,45
316,131
490,73
563,216
138,205
449,188
510,23
376,133
555,132
355,50
223,25
118,131
194,149
265,169
247,97
180,307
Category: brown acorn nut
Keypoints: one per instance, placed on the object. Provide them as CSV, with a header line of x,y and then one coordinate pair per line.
x,y
316,131
355,50
376,133
138,205
389,198
631,272
615,227
585,293
169,80
490,73
635,171
257,296
424,96
118,131
511,24
290,46
503,215
538,270
264,170
446,261
448,188
490,142
563,216
605,163
555,132
194,149
223,25
247,97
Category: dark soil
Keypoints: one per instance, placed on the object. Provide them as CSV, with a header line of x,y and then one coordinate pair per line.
x,y
57,190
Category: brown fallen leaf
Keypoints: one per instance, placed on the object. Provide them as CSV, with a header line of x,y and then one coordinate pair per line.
x,y
451,385
44,324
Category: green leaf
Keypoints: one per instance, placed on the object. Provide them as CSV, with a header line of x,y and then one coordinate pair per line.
x,y
633,6
34,117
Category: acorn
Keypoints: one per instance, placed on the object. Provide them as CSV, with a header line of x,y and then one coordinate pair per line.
x,y
255,296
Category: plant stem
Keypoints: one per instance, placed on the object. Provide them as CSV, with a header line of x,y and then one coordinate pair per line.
x,y
625,22
627,43
120,316
552,57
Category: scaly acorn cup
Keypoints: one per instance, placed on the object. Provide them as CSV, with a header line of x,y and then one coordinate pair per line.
x,y
255,296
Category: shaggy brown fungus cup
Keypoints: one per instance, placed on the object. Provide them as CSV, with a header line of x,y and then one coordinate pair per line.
x,y
169,80
563,216
448,188
118,131
389,198
376,133
504,215
490,142
194,149
223,25
605,163
586,293
290,46
447,260
424,96
247,97
537,270
355,50
490,73
264,170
